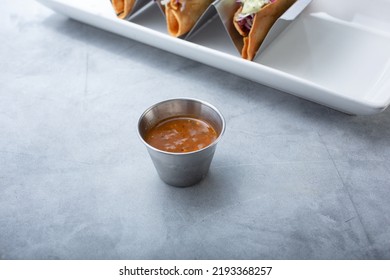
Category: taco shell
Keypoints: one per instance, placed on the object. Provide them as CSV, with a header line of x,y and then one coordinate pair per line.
x,y
122,8
262,22
182,15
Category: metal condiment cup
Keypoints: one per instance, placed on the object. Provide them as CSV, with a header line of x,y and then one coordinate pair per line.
x,y
181,169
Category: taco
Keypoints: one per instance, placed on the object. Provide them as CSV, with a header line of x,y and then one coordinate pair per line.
x,y
254,19
181,15
122,8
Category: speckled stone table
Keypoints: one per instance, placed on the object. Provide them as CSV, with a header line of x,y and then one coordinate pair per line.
x,y
290,179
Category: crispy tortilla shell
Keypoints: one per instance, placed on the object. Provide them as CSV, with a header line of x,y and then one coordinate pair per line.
x,y
182,15
262,23
122,8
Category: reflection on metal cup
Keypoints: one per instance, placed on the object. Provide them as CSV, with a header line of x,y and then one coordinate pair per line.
x,y
188,168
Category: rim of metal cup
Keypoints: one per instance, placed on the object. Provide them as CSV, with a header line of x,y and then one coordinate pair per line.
x,y
183,99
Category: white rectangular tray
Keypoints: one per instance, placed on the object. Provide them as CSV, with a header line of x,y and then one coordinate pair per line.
x,y
337,53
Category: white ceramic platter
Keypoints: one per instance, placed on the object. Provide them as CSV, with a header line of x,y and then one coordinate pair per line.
x,y
337,53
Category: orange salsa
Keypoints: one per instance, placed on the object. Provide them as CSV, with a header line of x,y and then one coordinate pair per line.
x,y
181,135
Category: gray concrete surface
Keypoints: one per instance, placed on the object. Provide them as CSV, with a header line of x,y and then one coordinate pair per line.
x,y
290,179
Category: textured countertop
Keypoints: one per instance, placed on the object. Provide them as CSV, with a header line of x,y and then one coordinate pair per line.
x,y
290,179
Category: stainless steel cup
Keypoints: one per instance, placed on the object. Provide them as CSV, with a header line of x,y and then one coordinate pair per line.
x,y
181,169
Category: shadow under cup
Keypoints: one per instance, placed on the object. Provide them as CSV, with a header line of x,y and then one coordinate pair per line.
x,y
181,169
